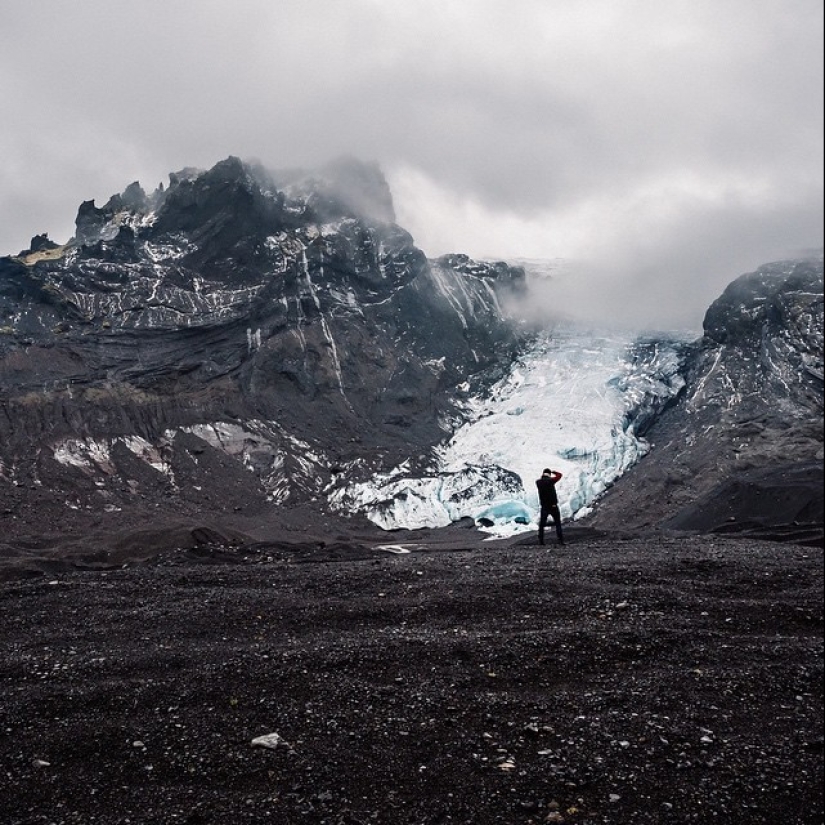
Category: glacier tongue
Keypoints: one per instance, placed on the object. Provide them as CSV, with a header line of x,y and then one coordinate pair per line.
x,y
572,403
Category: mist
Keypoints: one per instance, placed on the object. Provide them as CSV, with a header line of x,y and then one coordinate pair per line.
x,y
661,149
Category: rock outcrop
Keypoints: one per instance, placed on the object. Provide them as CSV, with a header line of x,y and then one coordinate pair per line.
x,y
281,327
742,449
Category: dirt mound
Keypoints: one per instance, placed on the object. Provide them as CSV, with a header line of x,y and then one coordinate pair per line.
x,y
785,503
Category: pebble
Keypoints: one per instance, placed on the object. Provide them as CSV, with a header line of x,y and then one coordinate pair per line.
x,y
270,740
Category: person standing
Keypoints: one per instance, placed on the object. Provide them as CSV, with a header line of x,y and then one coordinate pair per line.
x,y
549,503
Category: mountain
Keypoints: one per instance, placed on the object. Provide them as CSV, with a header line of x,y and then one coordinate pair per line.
x,y
222,350
742,450
246,352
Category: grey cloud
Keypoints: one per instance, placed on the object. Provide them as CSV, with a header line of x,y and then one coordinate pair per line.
x,y
668,280
552,118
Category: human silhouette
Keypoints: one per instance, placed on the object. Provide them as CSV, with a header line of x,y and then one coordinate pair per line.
x,y
549,502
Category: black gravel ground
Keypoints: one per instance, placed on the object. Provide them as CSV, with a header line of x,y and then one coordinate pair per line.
x,y
654,680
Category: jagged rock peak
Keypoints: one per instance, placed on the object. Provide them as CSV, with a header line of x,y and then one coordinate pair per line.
x,y
781,294
41,243
261,200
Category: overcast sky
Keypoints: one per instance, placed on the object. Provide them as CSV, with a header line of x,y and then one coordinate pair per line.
x,y
666,146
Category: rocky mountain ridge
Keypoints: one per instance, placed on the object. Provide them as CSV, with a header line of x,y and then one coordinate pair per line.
x,y
214,359
231,345
742,449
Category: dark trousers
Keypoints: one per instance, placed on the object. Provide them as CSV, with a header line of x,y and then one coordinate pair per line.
x,y
553,511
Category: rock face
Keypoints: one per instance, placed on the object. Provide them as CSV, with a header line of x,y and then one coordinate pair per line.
x,y
212,361
238,340
742,449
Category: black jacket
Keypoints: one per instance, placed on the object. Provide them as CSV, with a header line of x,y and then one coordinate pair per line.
x,y
547,489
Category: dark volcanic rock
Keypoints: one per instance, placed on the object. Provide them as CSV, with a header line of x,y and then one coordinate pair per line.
x,y
783,502
747,428
645,682
290,326
40,243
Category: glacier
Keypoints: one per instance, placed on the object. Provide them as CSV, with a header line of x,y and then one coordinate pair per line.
x,y
576,401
